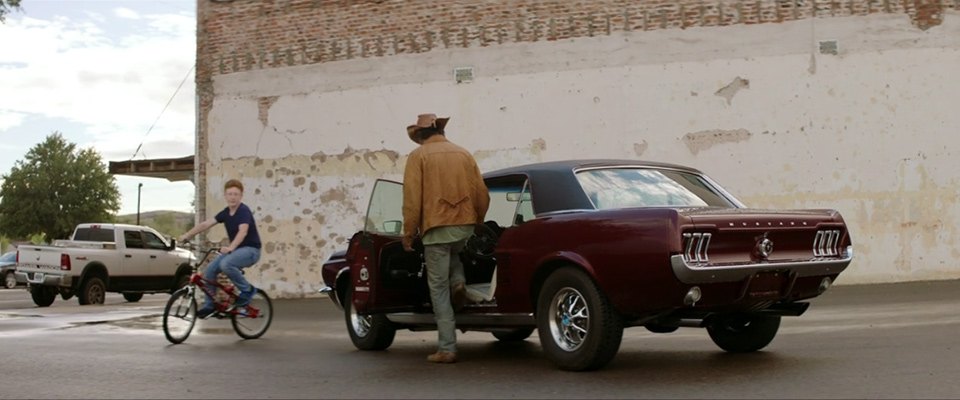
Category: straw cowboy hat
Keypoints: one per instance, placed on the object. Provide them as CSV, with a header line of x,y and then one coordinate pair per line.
x,y
427,121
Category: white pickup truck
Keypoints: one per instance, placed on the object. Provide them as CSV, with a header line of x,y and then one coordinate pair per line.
x,y
101,258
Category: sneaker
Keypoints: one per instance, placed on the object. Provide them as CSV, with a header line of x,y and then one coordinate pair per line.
x,y
458,296
205,312
443,357
244,298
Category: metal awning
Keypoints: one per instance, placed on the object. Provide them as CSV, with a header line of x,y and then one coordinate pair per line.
x,y
171,169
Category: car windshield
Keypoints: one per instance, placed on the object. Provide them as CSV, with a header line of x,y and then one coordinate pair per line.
x,y
9,257
647,187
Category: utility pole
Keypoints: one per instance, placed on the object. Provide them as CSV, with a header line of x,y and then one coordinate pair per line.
x,y
139,186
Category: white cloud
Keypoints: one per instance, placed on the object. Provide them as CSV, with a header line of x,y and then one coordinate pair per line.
x,y
10,119
115,86
127,13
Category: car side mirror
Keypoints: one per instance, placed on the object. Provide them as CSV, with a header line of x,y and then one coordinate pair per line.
x,y
173,243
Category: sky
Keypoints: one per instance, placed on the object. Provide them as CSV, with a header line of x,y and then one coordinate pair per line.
x,y
100,72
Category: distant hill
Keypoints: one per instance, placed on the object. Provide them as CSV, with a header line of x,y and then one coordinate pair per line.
x,y
172,223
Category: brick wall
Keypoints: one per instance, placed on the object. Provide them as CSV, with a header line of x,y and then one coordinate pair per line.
x,y
252,34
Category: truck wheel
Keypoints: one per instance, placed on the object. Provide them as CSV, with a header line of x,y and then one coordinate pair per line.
x,y
9,280
514,335
182,281
744,333
579,329
367,332
43,296
133,297
94,291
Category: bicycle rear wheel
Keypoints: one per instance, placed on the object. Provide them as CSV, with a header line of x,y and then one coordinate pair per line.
x,y
179,316
256,320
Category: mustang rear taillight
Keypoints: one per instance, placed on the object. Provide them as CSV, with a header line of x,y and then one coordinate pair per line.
x,y
696,245
64,262
826,243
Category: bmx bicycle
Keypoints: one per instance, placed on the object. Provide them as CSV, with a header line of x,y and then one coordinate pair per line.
x,y
180,313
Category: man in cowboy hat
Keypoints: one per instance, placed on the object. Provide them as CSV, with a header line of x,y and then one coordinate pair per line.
x,y
444,197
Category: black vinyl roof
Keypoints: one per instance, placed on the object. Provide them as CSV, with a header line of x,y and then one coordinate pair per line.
x,y
554,186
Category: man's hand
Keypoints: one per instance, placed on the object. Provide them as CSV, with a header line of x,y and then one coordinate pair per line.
x,y
407,243
226,250
183,239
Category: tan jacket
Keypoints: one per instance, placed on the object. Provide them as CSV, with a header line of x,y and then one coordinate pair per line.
x,y
442,186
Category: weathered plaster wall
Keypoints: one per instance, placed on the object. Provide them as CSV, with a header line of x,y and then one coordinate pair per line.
x,y
870,131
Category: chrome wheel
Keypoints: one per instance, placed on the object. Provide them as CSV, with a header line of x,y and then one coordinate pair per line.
x,y
570,319
360,323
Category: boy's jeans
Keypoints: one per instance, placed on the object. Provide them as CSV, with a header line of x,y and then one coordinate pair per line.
x,y
231,264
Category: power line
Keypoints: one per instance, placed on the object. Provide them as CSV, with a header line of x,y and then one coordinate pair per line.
x,y
164,109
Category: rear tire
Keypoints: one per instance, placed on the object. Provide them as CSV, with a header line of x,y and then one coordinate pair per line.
x,y
367,332
579,329
515,335
179,316
744,333
43,296
94,291
9,280
254,326
133,297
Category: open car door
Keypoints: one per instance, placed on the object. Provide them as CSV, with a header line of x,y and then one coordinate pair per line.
x,y
385,277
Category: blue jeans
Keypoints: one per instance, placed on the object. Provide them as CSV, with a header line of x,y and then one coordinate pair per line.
x,y
231,264
444,270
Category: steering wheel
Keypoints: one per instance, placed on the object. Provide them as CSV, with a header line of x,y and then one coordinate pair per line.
x,y
481,244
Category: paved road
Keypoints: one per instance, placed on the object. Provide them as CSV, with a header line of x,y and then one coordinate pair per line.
x,y
878,341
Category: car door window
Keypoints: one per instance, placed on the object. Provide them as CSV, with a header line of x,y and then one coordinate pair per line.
x,y
385,211
132,239
153,241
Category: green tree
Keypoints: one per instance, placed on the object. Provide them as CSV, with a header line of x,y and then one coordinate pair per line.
x,y
56,188
6,6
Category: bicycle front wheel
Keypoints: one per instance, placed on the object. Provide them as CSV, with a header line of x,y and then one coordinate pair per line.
x,y
255,321
179,316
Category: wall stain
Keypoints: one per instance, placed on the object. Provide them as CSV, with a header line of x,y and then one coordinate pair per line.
x,y
703,140
640,148
727,92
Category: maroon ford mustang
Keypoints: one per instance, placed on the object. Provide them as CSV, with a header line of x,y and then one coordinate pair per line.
x,y
579,250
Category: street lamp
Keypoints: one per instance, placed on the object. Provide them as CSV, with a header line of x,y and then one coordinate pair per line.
x,y
138,202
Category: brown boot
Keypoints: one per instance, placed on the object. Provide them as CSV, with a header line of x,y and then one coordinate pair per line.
x,y
443,357
458,296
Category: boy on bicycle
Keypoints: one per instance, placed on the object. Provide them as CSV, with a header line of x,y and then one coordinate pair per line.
x,y
243,250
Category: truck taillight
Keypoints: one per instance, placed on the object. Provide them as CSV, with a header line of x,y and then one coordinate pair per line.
x,y
18,258
64,262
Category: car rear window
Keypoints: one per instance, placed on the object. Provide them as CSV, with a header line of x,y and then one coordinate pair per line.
x,y
647,187
93,235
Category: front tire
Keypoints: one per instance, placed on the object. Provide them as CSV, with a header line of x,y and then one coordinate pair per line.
x,y
94,291
367,332
43,296
744,333
133,297
579,329
253,326
179,316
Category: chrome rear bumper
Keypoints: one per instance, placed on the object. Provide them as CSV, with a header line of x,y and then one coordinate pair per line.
x,y
707,273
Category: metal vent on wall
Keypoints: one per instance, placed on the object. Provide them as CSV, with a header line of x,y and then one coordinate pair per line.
x,y
463,74
830,47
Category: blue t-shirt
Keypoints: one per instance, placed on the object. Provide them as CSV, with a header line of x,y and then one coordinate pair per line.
x,y
232,223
